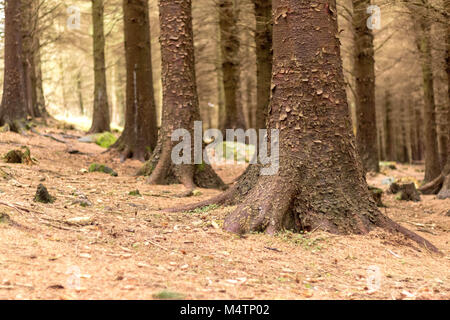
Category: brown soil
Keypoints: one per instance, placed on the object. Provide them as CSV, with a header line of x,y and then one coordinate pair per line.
x,y
129,249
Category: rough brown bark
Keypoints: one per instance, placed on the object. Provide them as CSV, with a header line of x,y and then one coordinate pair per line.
x,y
101,117
389,141
320,174
139,137
229,43
432,163
180,99
13,109
441,185
264,56
364,70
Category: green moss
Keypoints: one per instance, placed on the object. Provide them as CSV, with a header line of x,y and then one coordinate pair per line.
x,y
4,218
95,167
168,295
42,195
205,209
105,139
135,193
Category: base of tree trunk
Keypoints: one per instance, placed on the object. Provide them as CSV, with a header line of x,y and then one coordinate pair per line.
x,y
161,170
129,151
444,193
17,125
271,204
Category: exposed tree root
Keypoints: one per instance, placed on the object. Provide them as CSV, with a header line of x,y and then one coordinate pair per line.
x,y
445,190
161,170
271,204
432,187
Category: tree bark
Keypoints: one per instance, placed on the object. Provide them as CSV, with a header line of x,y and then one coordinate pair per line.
x,y
264,56
13,109
320,174
364,69
101,115
432,163
139,137
441,184
229,42
180,99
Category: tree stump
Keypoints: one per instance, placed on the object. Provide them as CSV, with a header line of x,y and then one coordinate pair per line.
x,y
406,192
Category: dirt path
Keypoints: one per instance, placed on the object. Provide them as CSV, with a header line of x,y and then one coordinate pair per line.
x,y
125,248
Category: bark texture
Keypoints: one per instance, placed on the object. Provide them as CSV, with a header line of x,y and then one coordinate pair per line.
x,y
229,43
180,100
432,163
139,137
364,70
13,109
101,117
264,56
320,174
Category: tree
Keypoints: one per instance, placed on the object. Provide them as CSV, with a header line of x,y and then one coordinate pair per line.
x,y
13,110
139,136
432,162
180,100
441,185
320,175
101,117
229,43
364,70
263,39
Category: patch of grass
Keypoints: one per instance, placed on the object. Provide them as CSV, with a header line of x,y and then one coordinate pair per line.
x,y
105,139
301,239
135,193
204,209
168,295
95,167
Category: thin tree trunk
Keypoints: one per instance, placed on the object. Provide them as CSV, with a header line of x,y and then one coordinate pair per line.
x,y
13,109
264,56
364,69
101,115
180,99
229,41
139,137
432,163
80,93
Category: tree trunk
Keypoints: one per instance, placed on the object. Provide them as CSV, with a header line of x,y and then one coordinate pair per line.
x,y
180,99
80,93
364,69
432,163
264,56
229,42
13,109
441,185
389,141
320,174
139,136
101,116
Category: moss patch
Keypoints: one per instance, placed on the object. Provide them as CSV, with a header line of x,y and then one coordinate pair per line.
x,y
42,195
168,295
95,167
22,155
105,139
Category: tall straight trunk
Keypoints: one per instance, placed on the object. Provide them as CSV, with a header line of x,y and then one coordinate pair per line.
x,y
13,109
364,70
139,136
320,175
39,87
441,185
229,43
180,99
101,115
80,93
389,141
432,163
264,56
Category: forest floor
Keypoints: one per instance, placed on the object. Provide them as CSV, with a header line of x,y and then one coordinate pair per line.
x,y
124,247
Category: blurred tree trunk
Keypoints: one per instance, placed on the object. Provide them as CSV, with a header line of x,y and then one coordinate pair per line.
x,y
139,136
13,109
432,162
101,115
180,100
229,42
389,136
264,56
80,93
364,70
